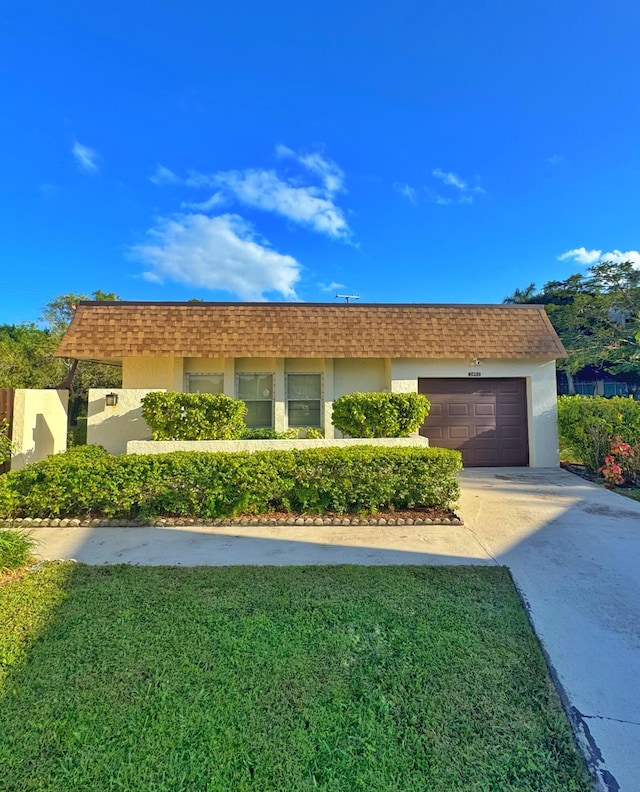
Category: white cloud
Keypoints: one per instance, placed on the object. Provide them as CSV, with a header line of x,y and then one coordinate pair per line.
x,y
163,175
331,287
583,256
311,205
220,252
216,200
555,159
450,178
330,173
86,157
461,191
264,189
407,191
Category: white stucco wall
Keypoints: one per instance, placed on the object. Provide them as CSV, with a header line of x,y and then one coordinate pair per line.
x,y
113,427
39,425
542,403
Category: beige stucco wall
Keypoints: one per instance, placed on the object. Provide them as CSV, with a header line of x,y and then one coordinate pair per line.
x,y
542,402
39,425
342,376
359,375
165,446
112,427
153,373
204,366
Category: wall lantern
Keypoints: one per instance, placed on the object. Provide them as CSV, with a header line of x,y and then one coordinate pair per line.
x,y
111,399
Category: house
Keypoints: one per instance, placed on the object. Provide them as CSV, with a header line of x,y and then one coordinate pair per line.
x,y
488,370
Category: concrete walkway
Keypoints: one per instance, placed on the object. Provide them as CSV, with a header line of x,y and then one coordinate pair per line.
x,y
573,549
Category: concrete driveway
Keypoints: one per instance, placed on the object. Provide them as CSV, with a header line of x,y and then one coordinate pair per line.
x,y
573,549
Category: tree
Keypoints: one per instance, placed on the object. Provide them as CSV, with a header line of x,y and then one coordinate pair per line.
x,y
81,375
26,357
597,317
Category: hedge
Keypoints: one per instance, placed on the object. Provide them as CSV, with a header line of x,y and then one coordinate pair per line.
x,y
588,424
194,416
89,482
379,414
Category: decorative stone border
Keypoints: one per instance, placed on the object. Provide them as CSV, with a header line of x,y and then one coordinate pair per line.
x,y
164,522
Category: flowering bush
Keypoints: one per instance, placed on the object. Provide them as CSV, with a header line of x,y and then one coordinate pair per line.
x,y
622,464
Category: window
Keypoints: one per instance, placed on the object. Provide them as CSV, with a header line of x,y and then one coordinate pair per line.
x,y
256,391
205,383
304,399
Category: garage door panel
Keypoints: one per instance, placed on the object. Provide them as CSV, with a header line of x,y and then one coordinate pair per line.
x,y
459,432
486,421
511,433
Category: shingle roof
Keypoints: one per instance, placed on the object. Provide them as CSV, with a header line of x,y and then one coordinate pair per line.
x,y
115,330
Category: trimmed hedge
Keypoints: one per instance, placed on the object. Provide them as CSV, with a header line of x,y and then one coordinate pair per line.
x,y
379,414
89,482
588,424
194,416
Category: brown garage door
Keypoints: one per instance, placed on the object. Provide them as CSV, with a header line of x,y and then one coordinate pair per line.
x,y
485,419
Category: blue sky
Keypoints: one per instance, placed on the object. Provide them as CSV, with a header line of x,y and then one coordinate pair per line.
x,y
446,151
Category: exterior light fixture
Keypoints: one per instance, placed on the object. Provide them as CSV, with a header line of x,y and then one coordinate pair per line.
x,y
476,362
111,399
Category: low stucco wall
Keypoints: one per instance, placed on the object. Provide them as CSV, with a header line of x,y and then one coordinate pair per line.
x,y
113,427
165,446
39,425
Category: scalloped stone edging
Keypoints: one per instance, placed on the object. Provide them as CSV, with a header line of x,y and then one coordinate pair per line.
x,y
163,522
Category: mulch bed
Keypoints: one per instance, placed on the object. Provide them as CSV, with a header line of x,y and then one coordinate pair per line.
x,y
418,516
580,470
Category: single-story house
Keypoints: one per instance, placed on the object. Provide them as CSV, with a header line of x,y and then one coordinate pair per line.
x,y
488,370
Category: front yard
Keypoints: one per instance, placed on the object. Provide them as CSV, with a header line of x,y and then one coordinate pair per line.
x,y
293,678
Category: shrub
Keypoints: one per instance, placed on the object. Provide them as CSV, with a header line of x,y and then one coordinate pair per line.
x,y
15,548
588,424
194,416
5,442
200,484
269,434
311,433
379,414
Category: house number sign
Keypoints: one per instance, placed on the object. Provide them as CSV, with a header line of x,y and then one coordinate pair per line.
x,y
475,373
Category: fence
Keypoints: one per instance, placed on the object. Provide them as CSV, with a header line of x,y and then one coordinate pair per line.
x,y
6,414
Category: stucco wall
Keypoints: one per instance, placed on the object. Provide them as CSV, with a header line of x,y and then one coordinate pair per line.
x,y
153,373
365,375
39,425
112,427
165,446
542,403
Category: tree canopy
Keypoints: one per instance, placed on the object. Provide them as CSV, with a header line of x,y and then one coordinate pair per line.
x,y
27,354
596,315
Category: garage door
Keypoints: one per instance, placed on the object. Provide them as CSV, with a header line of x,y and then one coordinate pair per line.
x,y
485,419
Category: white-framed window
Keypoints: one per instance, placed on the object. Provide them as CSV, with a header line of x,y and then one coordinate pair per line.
x,y
205,383
256,391
304,400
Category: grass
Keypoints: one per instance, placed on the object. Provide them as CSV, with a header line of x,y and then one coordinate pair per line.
x,y
16,548
287,679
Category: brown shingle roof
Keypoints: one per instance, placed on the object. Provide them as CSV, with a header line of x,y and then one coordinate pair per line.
x,y
115,330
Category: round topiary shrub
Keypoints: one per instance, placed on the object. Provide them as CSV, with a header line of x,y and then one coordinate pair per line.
x,y
194,416
380,414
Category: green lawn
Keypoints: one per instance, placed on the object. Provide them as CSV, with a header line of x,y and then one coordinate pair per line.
x,y
294,678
